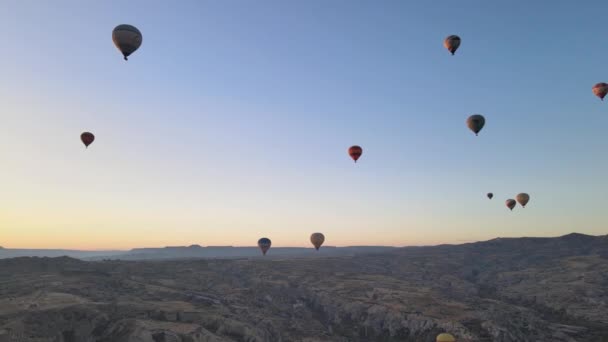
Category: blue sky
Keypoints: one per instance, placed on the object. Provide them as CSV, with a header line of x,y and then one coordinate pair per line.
x,y
232,122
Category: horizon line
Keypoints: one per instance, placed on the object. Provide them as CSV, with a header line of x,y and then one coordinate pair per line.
x,y
455,242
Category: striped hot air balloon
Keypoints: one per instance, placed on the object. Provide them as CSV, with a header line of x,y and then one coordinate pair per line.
x,y
127,39
317,240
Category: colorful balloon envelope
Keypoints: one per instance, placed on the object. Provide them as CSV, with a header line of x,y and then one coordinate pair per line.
x,y
510,203
445,337
317,240
452,43
264,244
476,122
87,138
522,199
127,39
600,90
355,152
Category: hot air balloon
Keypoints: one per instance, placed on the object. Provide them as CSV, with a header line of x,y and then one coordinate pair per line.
x,y
127,39
510,203
87,138
445,337
452,43
355,152
522,199
317,240
490,195
476,122
264,244
600,90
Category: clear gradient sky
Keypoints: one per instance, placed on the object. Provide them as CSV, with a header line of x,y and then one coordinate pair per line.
x,y
233,119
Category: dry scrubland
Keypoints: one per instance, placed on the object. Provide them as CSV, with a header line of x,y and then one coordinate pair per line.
x,y
524,289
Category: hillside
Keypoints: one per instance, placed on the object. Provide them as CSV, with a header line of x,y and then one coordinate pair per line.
x,y
504,290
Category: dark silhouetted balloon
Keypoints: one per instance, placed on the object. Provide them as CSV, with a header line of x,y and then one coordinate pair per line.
x,y
452,43
476,122
264,244
317,240
522,199
600,90
87,138
355,152
490,195
127,39
510,203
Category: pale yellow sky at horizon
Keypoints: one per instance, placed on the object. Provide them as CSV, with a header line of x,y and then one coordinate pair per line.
x,y
81,231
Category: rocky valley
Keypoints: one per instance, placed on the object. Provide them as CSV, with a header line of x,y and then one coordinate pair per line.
x,y
504,290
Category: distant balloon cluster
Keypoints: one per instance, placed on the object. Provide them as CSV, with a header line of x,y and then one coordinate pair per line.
x,y
128,39
521,198
316,239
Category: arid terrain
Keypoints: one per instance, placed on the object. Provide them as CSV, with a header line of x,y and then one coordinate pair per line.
x,y
526,289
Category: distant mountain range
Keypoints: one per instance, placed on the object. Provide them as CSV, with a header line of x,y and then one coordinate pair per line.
x,y
534,246
193,251
14,253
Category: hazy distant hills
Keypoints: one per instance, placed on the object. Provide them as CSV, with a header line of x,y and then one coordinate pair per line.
x,y
13,253
540,247
518,252
242,252
194,251
501,290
